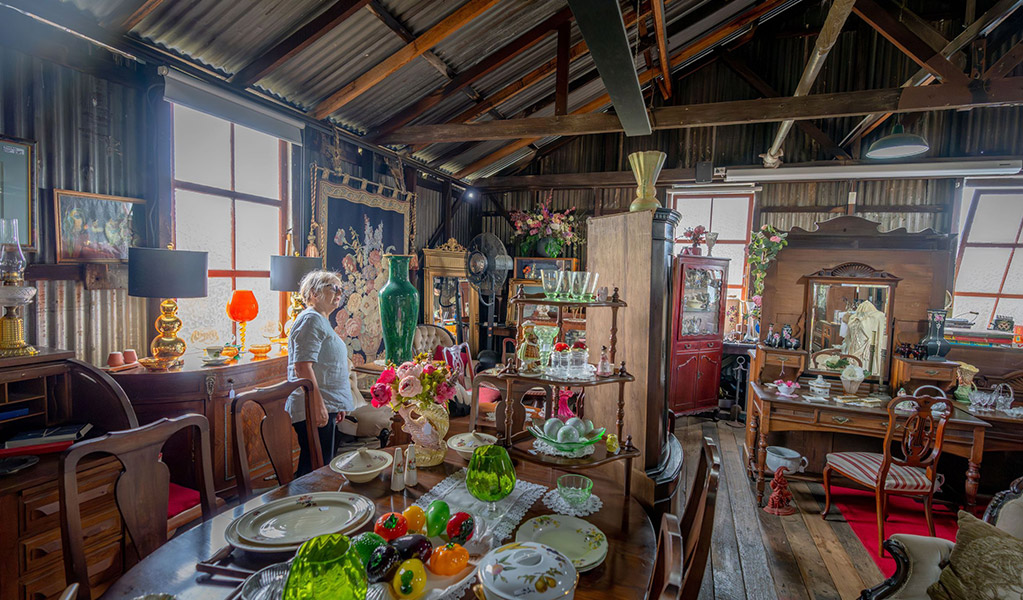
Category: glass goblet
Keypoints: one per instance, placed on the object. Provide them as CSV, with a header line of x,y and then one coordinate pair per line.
x,y
564,285
591,293
546,335
549,277
490,477
580,285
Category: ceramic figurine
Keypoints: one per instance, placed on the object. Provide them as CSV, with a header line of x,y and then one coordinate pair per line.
x,y
411,474
529,354
611,443
398,472
602,294
788,341
769,338
604,368
779,502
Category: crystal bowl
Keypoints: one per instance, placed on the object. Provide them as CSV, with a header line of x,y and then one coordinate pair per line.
x,y
591,438
575,489
16,295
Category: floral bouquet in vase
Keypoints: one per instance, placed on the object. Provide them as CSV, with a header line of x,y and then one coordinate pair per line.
x,y
419,391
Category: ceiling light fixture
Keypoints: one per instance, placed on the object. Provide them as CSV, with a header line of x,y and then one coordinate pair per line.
x,y
926,170
898,144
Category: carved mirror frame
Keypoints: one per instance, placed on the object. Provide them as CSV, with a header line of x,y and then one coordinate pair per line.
x,y
857,274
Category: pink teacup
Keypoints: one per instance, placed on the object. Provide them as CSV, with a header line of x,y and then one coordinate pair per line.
x,y
115,359
130,356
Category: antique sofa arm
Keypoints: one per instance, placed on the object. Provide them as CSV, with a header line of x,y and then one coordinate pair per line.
x,y
918,563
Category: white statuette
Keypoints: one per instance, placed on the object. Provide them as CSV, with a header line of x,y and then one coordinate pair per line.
x,y
398,472
411,475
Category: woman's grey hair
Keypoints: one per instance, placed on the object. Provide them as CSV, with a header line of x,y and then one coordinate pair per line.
x,y
315,281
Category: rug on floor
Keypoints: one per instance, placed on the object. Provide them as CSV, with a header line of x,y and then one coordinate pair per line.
x,y
905,515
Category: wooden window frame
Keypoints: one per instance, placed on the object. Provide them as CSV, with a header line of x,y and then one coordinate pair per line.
x,y
977,194
281,202
680,239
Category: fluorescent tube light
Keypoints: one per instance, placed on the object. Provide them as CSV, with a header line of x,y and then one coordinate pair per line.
x,y
927,170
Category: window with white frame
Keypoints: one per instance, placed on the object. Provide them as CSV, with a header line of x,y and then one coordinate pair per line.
x,y
728,215
989,264
230,200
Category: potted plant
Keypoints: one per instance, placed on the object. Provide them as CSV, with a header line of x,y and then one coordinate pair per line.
x,y
419,391
545,230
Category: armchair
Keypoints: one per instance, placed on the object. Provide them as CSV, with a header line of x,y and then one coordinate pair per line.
x,y
919,559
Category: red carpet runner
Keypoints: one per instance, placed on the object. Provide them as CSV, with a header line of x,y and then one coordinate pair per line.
x,y
905,515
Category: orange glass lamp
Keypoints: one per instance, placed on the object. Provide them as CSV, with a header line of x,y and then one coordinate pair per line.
x,y
241,309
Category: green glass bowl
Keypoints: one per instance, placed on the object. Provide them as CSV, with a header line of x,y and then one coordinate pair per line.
x,y
575,489
592,438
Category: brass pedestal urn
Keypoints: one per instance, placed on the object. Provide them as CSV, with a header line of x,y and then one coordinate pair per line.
x,y
646,166
12,325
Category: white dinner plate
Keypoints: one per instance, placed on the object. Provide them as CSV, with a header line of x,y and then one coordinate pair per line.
x,y
232,537
579,540
291,521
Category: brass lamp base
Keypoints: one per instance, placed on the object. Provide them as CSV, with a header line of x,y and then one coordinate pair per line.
x,y
12,335
167,345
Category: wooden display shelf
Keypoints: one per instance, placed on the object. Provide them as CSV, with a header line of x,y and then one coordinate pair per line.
x,y
520,449
524,298
557,381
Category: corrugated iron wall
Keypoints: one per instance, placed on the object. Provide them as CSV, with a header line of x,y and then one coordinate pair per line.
x,y
91,137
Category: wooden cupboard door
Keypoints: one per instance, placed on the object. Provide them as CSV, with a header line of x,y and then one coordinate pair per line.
x,y
683,382
708,377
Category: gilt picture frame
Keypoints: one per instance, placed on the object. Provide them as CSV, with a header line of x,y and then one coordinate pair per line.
x,y
93,228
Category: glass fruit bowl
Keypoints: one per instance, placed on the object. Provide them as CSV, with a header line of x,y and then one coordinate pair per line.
x,y
584,440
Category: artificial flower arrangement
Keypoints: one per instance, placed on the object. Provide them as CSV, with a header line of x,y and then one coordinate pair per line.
x,y
542,225
697,235
763,248
786,387
415,384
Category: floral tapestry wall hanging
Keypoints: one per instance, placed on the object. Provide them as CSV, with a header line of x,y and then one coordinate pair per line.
x,y
355,223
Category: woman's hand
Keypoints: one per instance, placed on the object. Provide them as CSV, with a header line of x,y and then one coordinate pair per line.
x,y
340,416
321,414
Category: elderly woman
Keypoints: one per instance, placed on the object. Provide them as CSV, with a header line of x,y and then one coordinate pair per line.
x,y
316,353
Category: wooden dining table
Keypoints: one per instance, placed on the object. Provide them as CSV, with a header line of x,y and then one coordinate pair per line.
x,y
171,569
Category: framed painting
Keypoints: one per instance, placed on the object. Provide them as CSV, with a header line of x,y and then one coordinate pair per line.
x,y
358,223
93,227
529,267
18,187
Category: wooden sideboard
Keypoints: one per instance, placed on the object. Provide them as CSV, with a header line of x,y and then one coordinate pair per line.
x,y
207,391
59,389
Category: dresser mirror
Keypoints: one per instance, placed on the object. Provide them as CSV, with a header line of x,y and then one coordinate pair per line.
x,y
849,319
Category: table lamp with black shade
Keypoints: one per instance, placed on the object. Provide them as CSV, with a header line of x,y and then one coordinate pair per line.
x,y
286,273
169,275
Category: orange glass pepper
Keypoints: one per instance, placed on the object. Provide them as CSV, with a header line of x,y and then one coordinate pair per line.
x,y
448,559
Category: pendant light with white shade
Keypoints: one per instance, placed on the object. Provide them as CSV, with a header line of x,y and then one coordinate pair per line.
x,y
898,144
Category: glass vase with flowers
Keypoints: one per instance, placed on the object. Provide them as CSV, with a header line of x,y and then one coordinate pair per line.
x,y
419,390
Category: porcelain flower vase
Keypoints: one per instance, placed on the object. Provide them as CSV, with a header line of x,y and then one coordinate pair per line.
x,y
934,341
427,426
399,310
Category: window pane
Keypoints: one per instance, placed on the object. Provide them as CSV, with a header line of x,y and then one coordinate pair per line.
x,y
1011,307
203,222
695,211
269,307
1014,282
997,218
205,319
202,148
256,164
982,269
257,235
730,220
964,305
736,252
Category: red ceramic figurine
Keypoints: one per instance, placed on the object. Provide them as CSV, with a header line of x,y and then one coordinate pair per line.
x,y
778,503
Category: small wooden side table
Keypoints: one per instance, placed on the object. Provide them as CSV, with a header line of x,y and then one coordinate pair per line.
x,y
911,374
776,363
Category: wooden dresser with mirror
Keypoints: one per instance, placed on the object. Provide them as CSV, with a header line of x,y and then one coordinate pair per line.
x,y
449,301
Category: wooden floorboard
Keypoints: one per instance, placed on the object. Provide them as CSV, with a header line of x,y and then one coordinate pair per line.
x,y
760,556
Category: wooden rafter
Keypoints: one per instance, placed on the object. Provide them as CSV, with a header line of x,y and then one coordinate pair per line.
x,y
1007,91
660,32
987,22
756,82
474,73
561,74
402,31
297,41
578,180
1006,63
899,34
402,57
126,20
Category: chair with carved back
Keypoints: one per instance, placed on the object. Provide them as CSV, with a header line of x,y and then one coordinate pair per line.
x,y
919,435
141,492
275,430
683,546
831,354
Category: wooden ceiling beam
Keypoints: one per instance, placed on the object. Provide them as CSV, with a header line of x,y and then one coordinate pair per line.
x,y
660,32
561,75
578,180
436,34
126,20
301,39
743,70
1008,61
391,22
474,73
945,96
919,51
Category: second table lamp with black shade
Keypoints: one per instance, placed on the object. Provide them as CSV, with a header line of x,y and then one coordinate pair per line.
x,y
169,275
286,273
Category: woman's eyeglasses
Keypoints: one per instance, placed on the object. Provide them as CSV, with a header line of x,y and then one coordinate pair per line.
x,y
336,289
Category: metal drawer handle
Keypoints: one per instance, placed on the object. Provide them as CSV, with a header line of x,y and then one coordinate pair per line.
x,y
783,359
841,420
884,425
932,372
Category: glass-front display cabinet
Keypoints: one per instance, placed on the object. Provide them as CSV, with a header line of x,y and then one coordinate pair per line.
x,y
449,300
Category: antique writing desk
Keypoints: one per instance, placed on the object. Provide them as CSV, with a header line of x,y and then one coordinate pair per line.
x,y
768,412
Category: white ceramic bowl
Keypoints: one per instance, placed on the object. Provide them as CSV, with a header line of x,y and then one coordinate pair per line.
x,y
778,456
465,443
361,465
527,571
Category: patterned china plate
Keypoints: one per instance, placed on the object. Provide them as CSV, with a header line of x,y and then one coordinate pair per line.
x,y
295,519
580,541
232,537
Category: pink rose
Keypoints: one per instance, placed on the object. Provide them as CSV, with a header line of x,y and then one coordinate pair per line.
x,y
757,300
410,387
445,392
353,327
429,368
381,394
404,369
388,376
775,239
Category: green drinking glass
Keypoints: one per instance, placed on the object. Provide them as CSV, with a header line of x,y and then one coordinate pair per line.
x,y
326,568
491,476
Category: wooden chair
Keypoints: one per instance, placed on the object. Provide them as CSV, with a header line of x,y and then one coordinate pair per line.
x,y
275,430
141,491
816,364
919,435
69,593
684,545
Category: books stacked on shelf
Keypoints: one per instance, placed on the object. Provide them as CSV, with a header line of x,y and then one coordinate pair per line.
x,y
62,433
966,337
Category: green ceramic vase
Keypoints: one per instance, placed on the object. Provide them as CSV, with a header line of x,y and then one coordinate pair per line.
x,y
399,310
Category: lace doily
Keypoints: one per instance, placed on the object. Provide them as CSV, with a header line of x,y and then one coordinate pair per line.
x,y
555,502
510,510
544,448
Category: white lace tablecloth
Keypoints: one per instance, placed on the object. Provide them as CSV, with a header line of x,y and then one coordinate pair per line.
x,y
555,502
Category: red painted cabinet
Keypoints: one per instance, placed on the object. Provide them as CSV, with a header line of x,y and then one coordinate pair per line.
x,y
699,289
